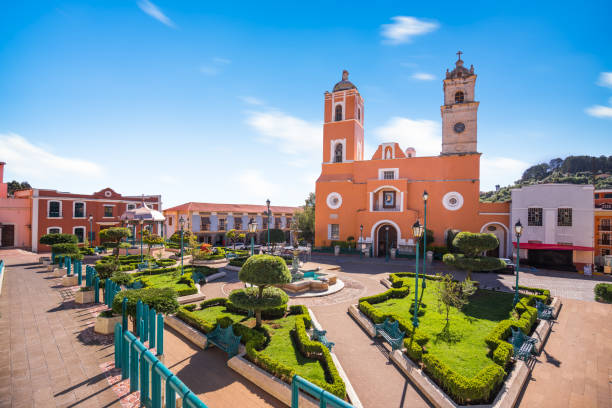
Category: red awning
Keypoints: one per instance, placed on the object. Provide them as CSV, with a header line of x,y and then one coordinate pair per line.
x,y
553,247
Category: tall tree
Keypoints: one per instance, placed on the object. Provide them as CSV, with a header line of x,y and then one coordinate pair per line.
x,y
305,219
14,185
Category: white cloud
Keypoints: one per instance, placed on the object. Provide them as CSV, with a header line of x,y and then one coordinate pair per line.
x,y
215,66
424,135
154,11
423,76
251,100
291,134
404,28
500,170
605,79
38,165
256,185
599,111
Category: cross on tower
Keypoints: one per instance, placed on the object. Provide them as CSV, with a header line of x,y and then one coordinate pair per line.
x,y
459,54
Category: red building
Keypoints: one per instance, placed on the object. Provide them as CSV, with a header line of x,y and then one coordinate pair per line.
x,y
81,214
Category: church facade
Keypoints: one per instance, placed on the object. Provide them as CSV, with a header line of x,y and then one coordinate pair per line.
x,y
360,198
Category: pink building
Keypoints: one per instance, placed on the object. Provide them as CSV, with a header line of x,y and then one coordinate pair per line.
x,y
15,216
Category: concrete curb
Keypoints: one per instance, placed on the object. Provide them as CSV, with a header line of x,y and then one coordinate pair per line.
x,y
195,336
362,320
232,268
541,333
214,276
386,282
556,306
2,276
196,297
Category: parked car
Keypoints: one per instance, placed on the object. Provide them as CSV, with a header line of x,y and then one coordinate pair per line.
x,y
510,266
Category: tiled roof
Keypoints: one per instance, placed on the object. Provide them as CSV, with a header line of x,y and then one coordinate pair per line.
x,y
238,208
335,177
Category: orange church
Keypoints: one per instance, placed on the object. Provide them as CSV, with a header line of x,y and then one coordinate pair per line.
x,y
387,190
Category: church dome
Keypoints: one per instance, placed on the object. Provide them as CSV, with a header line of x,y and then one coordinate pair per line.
x,y
345,84
460,71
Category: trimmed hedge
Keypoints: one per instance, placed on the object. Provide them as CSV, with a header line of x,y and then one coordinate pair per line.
x,y
162,300
256,340
479,263
185,279
603,292
461,389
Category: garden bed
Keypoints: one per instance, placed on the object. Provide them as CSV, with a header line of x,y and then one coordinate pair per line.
x,y
281,347
469,358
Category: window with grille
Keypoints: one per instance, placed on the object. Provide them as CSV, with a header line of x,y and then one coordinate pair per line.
x,y
54,231
534,217
131,206
238,223
608,195
459,97
108,211
221,224
338,153
334,231
80,233
389,175
277,222
55,209
564,217
79,210
338,113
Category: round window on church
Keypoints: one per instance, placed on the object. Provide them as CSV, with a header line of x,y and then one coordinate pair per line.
x,y
452,201
334,200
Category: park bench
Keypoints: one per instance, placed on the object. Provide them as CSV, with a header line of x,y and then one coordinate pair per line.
x,y
522,344
544,312
225,339
136,285
230,255
390,331
319,335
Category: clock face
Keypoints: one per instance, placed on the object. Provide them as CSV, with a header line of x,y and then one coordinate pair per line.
x,y
459,127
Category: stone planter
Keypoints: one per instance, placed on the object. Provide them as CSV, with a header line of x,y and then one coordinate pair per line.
x,y
82,297
337,250
211,263
106,325
60,272
71,280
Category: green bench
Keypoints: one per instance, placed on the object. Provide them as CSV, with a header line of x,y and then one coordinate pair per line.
x,y
522,344
390,331
225,339
544,312
319,335
230,255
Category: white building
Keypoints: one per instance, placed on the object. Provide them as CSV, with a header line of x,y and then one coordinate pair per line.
x,y
558,224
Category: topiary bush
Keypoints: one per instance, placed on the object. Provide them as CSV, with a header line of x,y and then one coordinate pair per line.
x,y
473,244
481,263
162,300
50,239
603,292
122,278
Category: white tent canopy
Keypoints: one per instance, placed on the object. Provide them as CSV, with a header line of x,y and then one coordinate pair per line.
x,y
143,213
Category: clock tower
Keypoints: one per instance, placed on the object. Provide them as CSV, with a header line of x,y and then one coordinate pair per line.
x,y
459,112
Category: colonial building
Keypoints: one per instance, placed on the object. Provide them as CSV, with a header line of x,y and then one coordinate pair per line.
x,y
603,224
210,221
83,215
558,225
387,189
15,216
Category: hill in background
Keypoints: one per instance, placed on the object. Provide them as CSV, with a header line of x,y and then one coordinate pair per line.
x,y
571,170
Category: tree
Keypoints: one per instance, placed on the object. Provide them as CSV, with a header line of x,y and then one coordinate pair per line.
x,y
189,238
112,237
451,293
472,245
305,219
234,236
263,271
151,239
50,239
69,249
14,185
163,300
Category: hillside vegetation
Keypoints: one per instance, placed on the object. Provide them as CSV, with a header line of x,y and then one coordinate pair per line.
x,y
571,170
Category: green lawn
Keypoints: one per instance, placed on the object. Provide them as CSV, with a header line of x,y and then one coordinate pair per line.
x,y
461,345
164,280
281,346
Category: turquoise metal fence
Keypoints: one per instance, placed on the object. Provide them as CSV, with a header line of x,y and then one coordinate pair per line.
x,y
325,398
148,375
110,291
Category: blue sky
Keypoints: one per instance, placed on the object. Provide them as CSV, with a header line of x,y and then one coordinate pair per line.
x,y
223,101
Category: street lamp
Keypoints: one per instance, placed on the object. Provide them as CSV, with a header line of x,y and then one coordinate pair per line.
x,y
361,241
417,231
141,223
252,231
518,230
268,226
90,230
425,197
387,243
182,224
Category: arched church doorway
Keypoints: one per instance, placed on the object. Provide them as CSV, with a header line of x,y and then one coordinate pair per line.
x,y
386,238
501,232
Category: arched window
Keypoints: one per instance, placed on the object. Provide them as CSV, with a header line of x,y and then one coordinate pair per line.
x,y
338,153
388,153
338,113
459,97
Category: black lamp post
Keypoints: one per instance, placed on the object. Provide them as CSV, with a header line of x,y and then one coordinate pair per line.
x,y
417,232
518,230
252,231
182,224
141,223
425,197
268,226
361,241
90,230
387,243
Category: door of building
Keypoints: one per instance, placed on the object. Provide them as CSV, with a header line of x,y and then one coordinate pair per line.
x,y
8,235
383,244
559,260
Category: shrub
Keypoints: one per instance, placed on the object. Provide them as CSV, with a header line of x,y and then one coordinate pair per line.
x,y
165,262
122,278
162,300
191,308
603,292
213,302
481,263
249,299
105,269
450,237
472,244
86,251
66,249
238,261
50,239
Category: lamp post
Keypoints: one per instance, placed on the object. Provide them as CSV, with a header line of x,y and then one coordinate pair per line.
x,y
182,223
425,197
361,241
141,223
417,231
268,226
387,243
90,229
252,231
518,230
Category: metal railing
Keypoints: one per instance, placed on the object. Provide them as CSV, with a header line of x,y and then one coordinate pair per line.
x,y
605,227
325,398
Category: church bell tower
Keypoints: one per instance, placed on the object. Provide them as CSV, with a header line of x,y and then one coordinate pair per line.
x,y
459,112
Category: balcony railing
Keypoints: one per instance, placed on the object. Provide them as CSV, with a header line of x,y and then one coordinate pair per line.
x,y
605,228
605,242
380,208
